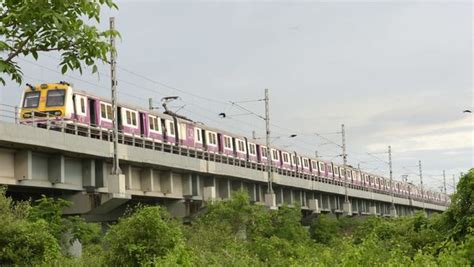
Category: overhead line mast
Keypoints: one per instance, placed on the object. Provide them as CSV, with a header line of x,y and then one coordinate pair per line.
x,y
113,75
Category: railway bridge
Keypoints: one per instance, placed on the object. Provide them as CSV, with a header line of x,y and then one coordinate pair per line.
x,y
74,163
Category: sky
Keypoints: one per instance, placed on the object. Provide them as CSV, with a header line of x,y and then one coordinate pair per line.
x,y
396,73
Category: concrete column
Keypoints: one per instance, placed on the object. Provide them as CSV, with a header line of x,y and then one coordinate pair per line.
x,y
167,183
100,173
373,210
116,184
127,171
187,182
56,173
209,190
147,180
23,161
223,188
177,208
88,173
314,205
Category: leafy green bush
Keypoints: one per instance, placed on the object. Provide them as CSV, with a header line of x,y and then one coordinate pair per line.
x,y
24,242
148,236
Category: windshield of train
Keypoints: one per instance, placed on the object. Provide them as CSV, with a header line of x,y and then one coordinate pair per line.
x,y
55,98
31,100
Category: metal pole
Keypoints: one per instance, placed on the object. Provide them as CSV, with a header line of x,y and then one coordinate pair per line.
x,y
444,181
16,114
421,184
113,54
391,174
267,137
444,187
150,103
344,159
454,183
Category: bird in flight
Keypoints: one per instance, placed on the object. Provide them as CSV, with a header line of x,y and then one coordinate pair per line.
x,y
467,111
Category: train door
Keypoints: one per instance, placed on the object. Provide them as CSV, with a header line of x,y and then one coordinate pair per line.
x,y
143,117
92,111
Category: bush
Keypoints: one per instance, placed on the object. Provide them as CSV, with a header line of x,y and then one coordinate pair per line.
x,y
148,236
23,242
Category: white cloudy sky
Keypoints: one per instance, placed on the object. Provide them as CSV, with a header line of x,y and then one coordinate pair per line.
x,y
395,73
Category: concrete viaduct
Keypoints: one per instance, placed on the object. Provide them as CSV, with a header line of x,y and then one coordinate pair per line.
x,y
74,164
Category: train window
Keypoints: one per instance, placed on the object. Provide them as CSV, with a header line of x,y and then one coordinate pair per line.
x,y
102,111
212,138
227,142
314,165
252,150
343,171
336,170
55,98
134,118
171,129
83,105
109,112
264,151
298,161
285,158
274,154
129,120
151,123
31,99
305,163
321,167
240,146
198,135
154,124
293,159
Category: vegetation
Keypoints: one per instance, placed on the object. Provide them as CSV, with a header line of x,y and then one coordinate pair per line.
x,y
236,233
28,27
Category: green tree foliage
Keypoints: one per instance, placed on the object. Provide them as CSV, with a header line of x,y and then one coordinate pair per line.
x,y
148,236
325,229
458,220
24,242
28,27
65,229
236,233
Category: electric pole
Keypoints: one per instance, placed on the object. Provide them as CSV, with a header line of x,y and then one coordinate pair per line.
x,y
393,211
444,184
454,183
113,75
270,198
267,137
421,184
347,204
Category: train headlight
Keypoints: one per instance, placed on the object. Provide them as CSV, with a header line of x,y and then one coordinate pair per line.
x,y
44,86
58,113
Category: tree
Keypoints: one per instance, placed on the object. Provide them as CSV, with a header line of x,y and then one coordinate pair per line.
x,y
28,27
458,220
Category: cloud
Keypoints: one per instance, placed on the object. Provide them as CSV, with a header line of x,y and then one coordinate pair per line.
x,y
438,136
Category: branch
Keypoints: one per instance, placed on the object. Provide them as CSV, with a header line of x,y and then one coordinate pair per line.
x,y
19,49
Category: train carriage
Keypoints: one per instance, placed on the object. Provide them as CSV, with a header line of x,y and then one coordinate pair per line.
x,y
60,103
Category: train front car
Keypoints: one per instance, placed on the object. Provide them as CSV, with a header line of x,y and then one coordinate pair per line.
x,y
48,101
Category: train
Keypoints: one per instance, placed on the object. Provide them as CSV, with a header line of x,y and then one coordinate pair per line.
x,y
60,102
